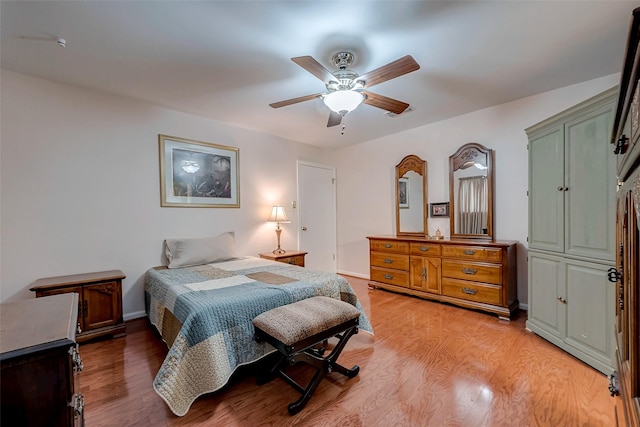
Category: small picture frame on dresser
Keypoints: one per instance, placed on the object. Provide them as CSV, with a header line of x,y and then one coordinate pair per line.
x,y
439,209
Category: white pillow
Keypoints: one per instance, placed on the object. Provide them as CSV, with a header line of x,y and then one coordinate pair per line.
x,y
198,251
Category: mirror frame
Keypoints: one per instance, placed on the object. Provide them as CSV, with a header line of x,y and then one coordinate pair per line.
x,y
419,166
463,155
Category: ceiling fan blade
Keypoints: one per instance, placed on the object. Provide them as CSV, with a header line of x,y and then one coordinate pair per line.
x,y
334,119
295,100
384,102
394,69
315,68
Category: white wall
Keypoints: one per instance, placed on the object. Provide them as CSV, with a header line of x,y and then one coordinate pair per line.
x,y
80,186
366,172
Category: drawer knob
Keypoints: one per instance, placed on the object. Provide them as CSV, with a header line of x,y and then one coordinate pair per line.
x,y
424,248
562,300
469,291
388,276
388,261
469,252
469,270
388,246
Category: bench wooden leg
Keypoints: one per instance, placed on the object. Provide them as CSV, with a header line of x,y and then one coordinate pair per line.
x,y
323,365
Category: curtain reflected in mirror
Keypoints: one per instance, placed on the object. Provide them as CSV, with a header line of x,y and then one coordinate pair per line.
x,y
471,192
472,203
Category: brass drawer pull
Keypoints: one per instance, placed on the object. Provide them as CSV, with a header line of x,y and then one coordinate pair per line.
x,y
469,252
469,270
388,276
424,248
388,246
469,291
388,261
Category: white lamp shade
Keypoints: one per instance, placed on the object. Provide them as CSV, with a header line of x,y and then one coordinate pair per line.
x,y
343,101
278,215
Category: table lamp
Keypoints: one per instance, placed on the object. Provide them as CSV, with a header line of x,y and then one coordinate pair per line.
x,y
279,217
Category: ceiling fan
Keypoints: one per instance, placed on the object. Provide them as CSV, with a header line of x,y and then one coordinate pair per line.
x,y
346,89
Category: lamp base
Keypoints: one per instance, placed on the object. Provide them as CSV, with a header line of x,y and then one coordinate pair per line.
x,y
279,251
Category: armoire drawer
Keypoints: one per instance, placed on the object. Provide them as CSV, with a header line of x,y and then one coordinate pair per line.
x,y
390,246
472,291
426,249
392,277
477,253
477,272
390,260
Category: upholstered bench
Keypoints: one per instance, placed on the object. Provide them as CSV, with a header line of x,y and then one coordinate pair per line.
x,y
299,331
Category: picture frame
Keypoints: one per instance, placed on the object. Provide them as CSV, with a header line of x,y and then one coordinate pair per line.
x,y
403,193
198,174
439,209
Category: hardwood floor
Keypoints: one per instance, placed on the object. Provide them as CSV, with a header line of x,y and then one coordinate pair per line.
x,y
429,364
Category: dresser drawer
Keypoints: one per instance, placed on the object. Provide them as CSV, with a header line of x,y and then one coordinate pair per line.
x,y
390,260
472,291
473,271
392,277
390,246
478,253
427,249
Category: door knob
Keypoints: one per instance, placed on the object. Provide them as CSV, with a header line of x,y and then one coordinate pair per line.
x,y
304,228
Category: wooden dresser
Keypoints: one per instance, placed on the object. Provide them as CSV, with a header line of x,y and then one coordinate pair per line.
x,y
40,363
625,142
289,257
469,273
99,303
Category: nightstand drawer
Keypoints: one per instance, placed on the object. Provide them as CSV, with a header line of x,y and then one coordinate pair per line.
x,y
293,260
289,257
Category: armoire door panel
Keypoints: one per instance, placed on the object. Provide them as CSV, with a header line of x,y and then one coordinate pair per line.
x,y
546,195
588,324
590,186
546,293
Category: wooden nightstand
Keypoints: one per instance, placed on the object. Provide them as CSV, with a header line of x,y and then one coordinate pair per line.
x,y
99,301
289,257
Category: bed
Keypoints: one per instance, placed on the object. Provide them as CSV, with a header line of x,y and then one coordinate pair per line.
x,y
203,312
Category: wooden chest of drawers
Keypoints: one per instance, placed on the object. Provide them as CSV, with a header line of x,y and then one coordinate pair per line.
x,y
479,275
40,363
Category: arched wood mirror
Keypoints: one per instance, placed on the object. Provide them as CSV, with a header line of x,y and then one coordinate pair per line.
x,y
471,180
411,196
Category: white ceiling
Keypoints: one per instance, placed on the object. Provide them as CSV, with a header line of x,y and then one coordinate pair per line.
x,y
228,60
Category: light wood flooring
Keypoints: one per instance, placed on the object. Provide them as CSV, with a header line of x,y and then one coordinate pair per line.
x,y
429,364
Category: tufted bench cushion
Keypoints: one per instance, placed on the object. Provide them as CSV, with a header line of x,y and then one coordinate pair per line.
x,y
296,322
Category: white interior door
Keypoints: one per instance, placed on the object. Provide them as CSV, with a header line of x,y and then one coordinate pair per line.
x,y
317,210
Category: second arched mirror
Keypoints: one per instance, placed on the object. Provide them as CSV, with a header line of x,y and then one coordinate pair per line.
x,y
471,178
411,196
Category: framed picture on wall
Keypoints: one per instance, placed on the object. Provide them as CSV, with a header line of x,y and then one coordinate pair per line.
x,y
198,174
403,193
440,209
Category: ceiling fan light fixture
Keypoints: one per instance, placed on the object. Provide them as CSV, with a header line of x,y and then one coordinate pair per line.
x,y
343,101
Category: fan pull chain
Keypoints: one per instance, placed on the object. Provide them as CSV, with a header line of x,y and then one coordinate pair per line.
x,y
342,130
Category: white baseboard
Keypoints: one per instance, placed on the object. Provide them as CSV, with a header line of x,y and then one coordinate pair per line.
x,y
135,315
522,306
351,273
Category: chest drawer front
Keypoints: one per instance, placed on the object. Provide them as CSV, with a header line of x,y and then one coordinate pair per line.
x,y
389,260
477,272
472,291
478,253
392,277
390,246
426,249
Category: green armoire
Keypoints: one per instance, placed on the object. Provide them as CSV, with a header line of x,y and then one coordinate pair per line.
x,y
572,193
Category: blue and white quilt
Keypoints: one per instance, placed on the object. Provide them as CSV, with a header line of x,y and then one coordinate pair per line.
x,y
204,315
